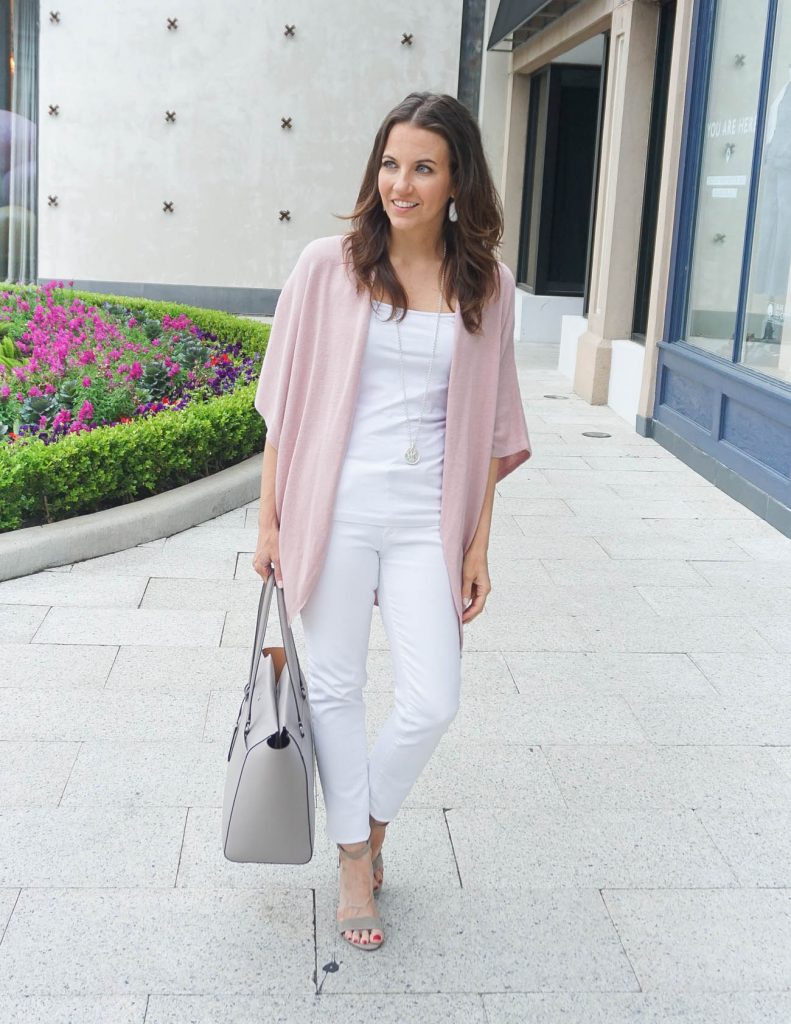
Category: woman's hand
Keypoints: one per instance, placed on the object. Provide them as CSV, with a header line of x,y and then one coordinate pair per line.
x,y
268,551
475,583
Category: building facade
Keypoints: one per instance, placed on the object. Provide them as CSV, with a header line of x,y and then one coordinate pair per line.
x,y
648,143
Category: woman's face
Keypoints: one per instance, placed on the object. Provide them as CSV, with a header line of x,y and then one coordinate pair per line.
x,y
415,168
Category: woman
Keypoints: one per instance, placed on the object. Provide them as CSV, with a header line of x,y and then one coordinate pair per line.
x,y
392,407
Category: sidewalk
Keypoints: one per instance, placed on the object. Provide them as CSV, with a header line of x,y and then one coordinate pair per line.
x,y
603,835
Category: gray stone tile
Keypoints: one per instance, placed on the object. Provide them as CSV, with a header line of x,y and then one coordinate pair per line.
x,y
537,546
79,846
751,602
738,676
542,459
73,1009
615,777
706,939
328,1008
730,574
527,571
776,630
546,720
234,518
534,848
618,507
710,526
643,1007
67,589
768,549
178,668
782,757
542,507
503,525
206,537
457,775
33,774
8,899
755,843
625,573
548,674
512,598
177,773
180,564
696,720
81,714
163,627
581,526
55,666
239,629
492,631
19,622
222,595
631,464
570,944
629,632
694,547
102,942
578,483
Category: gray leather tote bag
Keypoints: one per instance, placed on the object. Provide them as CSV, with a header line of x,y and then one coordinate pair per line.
x,y
269,802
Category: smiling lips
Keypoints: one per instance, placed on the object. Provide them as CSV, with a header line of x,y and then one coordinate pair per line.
x,y
410,206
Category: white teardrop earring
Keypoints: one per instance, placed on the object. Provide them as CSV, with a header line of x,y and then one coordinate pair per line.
x,y
452,214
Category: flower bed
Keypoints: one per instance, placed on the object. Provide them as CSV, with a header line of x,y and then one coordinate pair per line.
x,y
106,399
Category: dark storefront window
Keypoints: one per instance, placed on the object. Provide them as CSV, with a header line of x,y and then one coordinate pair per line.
x,y
559,176
18,139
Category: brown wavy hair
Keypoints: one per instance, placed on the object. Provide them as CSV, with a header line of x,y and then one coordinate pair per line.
x,y
471,271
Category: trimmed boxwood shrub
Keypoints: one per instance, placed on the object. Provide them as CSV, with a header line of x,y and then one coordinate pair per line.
x,y
123,462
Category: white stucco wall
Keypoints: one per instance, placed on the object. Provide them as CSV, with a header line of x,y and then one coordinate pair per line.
x,y
230,73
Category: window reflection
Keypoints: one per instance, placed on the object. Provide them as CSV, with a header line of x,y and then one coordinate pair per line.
x,y
725,174
18,107
767,338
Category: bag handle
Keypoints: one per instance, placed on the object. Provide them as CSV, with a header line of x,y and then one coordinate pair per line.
x,y
290,646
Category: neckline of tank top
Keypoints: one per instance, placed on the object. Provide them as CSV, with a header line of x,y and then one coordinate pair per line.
x,y
424,312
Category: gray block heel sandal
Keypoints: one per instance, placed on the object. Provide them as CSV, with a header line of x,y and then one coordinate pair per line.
x,y
370,922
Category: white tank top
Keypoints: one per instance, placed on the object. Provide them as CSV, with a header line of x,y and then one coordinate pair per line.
x,y
377,485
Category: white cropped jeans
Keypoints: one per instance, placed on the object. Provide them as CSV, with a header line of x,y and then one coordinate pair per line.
x,y
407,567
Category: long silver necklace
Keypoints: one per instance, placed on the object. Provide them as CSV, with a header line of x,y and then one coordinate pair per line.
x,y
411,454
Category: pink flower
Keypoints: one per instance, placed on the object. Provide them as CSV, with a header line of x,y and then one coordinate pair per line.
x,y
86,382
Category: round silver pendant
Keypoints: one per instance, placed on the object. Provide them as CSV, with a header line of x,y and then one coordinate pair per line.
x,y
411,455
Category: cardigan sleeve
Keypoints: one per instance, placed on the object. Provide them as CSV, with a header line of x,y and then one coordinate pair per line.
x,y
511,443
273,382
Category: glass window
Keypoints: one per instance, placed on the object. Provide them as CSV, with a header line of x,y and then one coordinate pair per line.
x,y
728,139
767,340
18,107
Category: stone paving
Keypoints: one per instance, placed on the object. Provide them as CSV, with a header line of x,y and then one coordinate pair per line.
x,y
603,835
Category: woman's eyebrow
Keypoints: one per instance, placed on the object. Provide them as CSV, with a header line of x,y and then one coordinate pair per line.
x,y
424,160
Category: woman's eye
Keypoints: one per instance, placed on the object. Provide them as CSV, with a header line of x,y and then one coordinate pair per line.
x,y
386,163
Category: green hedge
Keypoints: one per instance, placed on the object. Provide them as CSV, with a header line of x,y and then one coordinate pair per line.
x,y
111,465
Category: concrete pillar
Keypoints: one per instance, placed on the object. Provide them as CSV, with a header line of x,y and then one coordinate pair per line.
x,y
619,203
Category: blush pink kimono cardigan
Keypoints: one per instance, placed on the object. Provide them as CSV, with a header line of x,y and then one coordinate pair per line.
x,y
307,393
